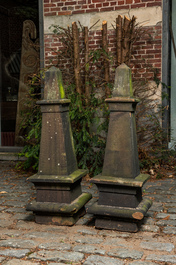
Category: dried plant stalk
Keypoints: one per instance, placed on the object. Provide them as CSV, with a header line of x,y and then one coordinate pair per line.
x,y
119,21
86,42
76,58
126,40
106,61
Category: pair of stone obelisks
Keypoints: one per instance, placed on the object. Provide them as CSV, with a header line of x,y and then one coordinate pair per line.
x,y
59,199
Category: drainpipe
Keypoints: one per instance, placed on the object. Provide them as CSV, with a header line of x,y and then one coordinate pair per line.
x,y
41,39
0,88
166,68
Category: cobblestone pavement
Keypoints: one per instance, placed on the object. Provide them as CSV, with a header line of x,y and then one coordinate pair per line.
x,y
23,242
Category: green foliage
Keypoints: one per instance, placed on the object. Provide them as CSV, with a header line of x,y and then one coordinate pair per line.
x,y
27,8
88,132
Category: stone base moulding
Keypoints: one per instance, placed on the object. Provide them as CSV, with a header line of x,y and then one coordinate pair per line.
x,y
120,205
59,213
59,199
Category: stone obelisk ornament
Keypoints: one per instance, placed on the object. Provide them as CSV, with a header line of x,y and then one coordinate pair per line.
x,y
59,199
120,205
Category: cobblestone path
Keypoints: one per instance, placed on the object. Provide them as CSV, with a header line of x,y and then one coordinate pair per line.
x,y
23,242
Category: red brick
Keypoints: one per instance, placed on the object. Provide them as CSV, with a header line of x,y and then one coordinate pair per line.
x,y
78,11
78,7
121,3
91,6
113,3
105,4
82,2
142,52
57,9
129,1
98,5
50,14
92,10
137,5
50,5
70,3
98,1
157,65
152,51
157,55
105,9
153,4
120,7
64,13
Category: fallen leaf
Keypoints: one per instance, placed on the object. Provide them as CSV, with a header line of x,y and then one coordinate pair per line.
x,y
166,218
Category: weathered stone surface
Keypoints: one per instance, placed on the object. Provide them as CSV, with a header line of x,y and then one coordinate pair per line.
x,y
18,243
15,210
156,207
29,65
123,82
49,236
54,89
85,231
114,234
88,240
1,259
157,246
166,215
20,262
171,210
148,221
23,216
5,216
13,233
55,245
89,249
149,228
170,230
99,260
51,263
115,242
15,203
166,222
126,253
6,223
142,263
162,258
45,255
17,253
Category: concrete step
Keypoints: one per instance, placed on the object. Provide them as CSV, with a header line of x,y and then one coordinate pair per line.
x,y
11,153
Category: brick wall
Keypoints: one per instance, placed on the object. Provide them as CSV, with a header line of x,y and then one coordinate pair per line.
x,y
146,55
63,7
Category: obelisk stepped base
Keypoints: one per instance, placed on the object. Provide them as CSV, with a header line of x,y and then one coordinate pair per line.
x,y
120,205
116,224
59,199
59,213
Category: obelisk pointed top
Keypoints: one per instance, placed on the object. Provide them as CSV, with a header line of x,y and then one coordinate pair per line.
x,y
54,89
123,82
